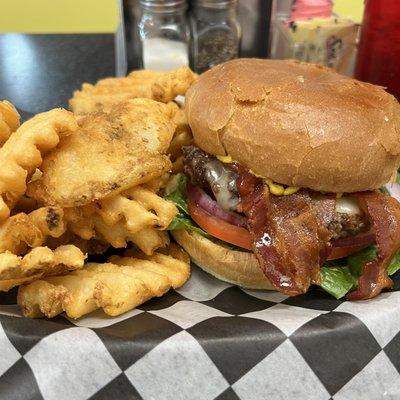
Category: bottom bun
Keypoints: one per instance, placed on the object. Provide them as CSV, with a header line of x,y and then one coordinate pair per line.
x,y
238,267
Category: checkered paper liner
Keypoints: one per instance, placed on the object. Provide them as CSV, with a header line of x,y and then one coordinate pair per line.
x,y
208,340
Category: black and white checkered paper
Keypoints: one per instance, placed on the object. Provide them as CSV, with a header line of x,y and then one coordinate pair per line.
x,y
208,340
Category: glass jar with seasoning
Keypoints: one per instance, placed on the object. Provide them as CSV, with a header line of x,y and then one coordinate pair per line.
x,y
216,33
164,34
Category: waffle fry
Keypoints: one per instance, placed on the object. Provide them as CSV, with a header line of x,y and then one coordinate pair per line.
x,y
135,206
114,288
117,235
129,143
22,231
9,120
80,221
25,205
177,165
77,184
23,152
173,250
174,272
159,86
181,122
137,215
148,240
92,246
157,184
182,137
39,262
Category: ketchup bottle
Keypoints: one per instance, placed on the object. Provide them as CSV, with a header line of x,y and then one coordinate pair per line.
x,y
378,59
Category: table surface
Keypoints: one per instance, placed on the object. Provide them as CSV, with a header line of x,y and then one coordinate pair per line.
x,y
40,72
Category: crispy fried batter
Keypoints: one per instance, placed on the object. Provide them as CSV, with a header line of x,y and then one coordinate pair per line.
x,y
23,152
39,262
159,86
9,120
114,288
21,231
110,153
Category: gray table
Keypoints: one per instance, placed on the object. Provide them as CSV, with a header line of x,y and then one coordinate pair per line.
x,y
40,72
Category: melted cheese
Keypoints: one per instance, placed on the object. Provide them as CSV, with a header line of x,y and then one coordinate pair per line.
x,y
345,205
223,184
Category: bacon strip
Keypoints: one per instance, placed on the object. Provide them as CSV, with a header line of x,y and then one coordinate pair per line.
x,y
289,234
384,213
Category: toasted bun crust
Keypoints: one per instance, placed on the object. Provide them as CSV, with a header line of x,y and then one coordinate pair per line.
x,y
298,124
237,267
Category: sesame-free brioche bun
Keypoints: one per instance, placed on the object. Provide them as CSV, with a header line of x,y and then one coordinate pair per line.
x,y
298,124
238,267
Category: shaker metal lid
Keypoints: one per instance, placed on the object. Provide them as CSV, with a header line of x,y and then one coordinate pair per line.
x,y
215,3
163,5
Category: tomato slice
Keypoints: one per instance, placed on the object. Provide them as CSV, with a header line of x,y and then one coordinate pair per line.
x,y
344,247
341,252
220,229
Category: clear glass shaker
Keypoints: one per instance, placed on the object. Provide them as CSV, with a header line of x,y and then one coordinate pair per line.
x,y
216,33
164,34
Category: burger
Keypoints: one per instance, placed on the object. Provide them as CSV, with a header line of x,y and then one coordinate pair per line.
x,y
284,185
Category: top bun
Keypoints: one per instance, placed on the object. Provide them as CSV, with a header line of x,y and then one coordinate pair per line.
x,y
298,124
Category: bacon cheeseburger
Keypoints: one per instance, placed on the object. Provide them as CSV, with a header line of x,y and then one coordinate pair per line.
x,y
282,187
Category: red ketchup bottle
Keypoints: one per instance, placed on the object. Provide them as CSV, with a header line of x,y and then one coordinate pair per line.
x,y
378,59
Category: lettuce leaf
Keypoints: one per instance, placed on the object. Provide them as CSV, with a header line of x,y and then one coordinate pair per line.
x,y
338,277
178,195
358,260
337,280
182,220
394,265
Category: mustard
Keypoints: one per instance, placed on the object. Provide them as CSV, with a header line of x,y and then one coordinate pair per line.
x,y
225,159
291,190
274,188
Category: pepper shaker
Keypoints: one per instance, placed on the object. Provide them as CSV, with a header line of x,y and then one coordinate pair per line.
x,y
215,33
164,34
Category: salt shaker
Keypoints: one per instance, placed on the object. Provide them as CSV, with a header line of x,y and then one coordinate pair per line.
x,y
215,33
164,34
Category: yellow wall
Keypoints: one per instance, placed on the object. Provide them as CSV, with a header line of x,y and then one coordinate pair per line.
x,y
59,16
350,8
